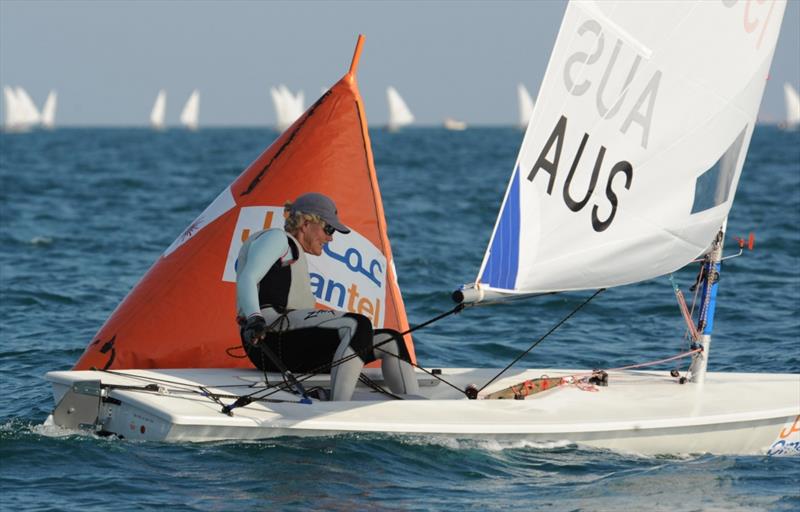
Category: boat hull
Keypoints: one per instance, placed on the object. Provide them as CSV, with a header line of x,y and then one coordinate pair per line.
x,y
638,412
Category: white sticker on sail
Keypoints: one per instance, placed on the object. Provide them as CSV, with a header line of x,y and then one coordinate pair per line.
x,y
252,219
219,206
350,275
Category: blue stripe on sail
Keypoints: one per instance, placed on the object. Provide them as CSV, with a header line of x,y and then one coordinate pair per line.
x,y
501,268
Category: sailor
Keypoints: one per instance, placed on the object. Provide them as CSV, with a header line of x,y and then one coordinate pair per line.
x,y
275,307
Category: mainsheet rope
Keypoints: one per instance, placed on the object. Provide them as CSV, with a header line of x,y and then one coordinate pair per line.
x,y
264,394
243,400
457,309
548,333
272,389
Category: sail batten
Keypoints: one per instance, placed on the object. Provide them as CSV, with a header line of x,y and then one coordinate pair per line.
x,y
632,156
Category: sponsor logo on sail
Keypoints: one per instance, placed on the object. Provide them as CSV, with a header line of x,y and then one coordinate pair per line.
x,y
350,275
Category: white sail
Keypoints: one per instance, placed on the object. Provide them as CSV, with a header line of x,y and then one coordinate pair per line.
x,y
279,105
49,110
297,106
159,110
630,163
525,106
792,106
190,115
288,106
399,113
29,113
14,117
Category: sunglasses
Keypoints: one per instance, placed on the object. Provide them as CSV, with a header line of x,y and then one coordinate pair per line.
x,y
328,229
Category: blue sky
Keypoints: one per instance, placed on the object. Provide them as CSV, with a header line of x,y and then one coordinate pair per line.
x,y
455,58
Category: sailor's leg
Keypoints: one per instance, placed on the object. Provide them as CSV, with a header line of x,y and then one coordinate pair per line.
x,y
354,349
344,376
397,372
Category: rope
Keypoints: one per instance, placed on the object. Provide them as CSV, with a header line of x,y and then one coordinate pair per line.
x,y
244,400
271,390
182,386
642,365
435,376
376,387
653,363
551,331
458,308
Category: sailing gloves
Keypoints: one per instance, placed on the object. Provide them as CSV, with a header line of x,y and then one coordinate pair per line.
x,y
254,330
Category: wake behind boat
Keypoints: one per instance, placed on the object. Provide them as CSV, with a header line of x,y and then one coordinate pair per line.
x,y
162,367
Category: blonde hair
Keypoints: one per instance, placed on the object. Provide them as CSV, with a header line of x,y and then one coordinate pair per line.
x,y
293,221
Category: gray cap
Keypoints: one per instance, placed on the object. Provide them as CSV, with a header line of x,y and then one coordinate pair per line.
x,y
322,205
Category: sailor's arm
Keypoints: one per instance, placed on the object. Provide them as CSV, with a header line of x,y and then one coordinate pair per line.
x,y
255,260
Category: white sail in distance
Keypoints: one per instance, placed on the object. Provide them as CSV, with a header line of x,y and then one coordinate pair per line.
x,y
29,113
49,110
399,113
190,115
280,108
288,106
630,163
157,114
14,117
792,106
297,106
525,106
454,124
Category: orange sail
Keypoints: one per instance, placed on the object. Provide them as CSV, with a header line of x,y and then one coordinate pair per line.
x,y
182,313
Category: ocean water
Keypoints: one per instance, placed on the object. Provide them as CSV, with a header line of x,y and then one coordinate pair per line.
x,y
84,213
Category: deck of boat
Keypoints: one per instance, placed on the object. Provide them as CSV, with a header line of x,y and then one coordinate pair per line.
x,y
643,412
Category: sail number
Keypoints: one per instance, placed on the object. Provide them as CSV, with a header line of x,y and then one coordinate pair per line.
x,y
623,169
641,113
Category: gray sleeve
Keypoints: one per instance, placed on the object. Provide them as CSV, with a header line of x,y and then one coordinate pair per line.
x,y
256,257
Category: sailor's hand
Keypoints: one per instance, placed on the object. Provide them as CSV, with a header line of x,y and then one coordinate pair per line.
x,y
254,330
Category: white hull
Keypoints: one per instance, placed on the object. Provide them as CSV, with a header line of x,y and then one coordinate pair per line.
x,y
638,412
455,125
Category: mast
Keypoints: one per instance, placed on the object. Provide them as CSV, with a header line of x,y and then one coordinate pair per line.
x,y
712,267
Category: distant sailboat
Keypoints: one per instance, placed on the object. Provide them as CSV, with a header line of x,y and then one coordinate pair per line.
x,y
14,117
190,115
29,113
49,110
525,104
288,107
454,125
399,113
159,110
792,107
297,105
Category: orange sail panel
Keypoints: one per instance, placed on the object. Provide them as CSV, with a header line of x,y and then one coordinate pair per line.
x,y
182,313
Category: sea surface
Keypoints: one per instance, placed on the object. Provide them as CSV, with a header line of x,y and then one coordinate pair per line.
x,y
85,212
